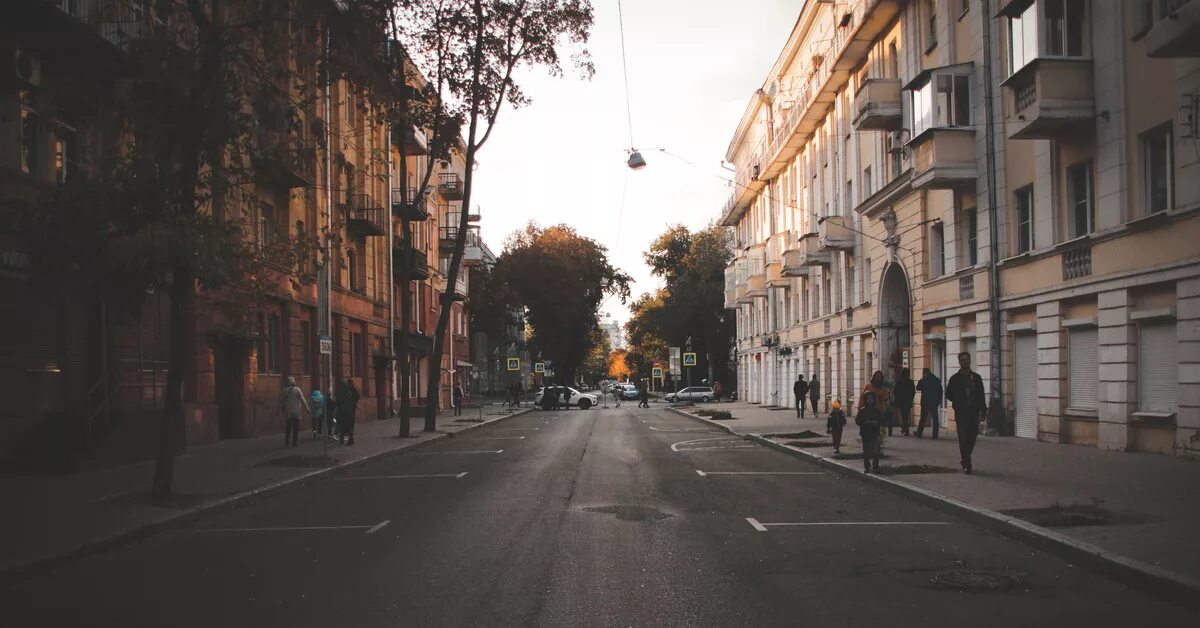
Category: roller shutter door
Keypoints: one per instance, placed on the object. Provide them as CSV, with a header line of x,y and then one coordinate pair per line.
x,y
1025,391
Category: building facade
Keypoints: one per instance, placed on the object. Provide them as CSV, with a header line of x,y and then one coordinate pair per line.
x,y
1013,180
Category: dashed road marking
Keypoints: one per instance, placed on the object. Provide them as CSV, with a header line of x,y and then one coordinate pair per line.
x,y
369,529
762,527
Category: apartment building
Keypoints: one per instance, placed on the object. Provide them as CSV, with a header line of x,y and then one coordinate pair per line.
x,y
1010,180
93,374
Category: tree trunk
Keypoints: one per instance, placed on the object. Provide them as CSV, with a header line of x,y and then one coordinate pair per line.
x,y
405,321
171,432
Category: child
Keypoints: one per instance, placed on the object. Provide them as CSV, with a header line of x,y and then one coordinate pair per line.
x,y
869,421
837,420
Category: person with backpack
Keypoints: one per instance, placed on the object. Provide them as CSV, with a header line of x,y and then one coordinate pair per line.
x,y
870,424
835,424
291,402
317,408
800,390
347,410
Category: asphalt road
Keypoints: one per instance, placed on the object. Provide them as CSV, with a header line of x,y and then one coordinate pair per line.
x,y
579,518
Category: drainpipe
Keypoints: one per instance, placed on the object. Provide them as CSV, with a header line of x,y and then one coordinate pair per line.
x,y
391,277
997,420
325,280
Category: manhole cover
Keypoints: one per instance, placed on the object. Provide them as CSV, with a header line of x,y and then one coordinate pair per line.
x,y
631,513
299,461
804,434
976,581
915,469
1073,516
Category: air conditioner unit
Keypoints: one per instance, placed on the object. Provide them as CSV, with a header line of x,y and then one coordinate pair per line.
x,y
894,141
26,69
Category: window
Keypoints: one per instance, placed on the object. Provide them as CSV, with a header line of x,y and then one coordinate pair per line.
x,y
351,109
1157,167
867,186
970,237
1022,38
1082,369
930,24
265,227
30,133
305,347
945,101
268,344
65,158
353,275
867,280
893,60
1158,370
1064,28
356,354
1080,213
1024,207
937,250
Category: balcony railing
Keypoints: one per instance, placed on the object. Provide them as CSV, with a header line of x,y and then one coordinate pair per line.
x,y
835,233
1177,32
365,217
807,253
413,206
1077,263
450,186
411,140
411,258
877,105
473,248
1050,98
943,158
966,287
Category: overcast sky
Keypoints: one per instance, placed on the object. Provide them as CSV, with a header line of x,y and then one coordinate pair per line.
x,y
693,65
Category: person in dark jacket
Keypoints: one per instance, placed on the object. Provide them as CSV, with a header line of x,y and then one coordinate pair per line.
x,y
965,391
837,421
931,397
904,393
800,390
814,392
458,399
869,421
643,395
347,410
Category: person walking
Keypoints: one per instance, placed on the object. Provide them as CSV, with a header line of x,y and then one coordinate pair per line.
x,y
833,426
458,399
800,390
814,393
616,392
347,412
905,393
717,391
965,391
317,409
931,397
291,401
870,424
643,395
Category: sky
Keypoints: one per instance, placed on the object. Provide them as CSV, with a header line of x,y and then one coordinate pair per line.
x,y
693,66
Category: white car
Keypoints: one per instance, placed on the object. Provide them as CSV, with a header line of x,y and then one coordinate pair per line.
x,y
693,393
581,399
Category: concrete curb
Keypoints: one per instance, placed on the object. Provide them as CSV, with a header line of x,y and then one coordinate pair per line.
x,y
183,517
1134,573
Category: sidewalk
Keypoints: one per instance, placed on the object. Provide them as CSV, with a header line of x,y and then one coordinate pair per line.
x,y
54,516
1141,506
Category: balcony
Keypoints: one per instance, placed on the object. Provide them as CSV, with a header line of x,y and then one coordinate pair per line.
x,y
473,249
415,341
409,258
731,285
284,161
450,186
1049,98
461,285
807,253
411,141
877,105
756,278
1177,31
365,217
943,158
834,233
415,208
776,245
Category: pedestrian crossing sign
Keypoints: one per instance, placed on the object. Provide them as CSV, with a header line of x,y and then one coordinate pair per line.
x,y
657,372
514,364
689,359
539,367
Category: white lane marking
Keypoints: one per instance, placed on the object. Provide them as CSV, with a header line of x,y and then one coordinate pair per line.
x,y
438,453
703,473
675,447
762,527
461,475
500,438
404,477
377,527
699,473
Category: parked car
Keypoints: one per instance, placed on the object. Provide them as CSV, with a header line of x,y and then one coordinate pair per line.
x,y
629,392
581,399
693,393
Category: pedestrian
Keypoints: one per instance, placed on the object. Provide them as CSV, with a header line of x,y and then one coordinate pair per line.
x,y
616,391
566,397
837,421
814,393
458,399
882,397
931,397
870,428
331,422
291,401
717,391
317,409
347,411
905,392
965,391
643,395
800,390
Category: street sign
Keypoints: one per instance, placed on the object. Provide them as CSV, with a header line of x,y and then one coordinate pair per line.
x,y
514,364
539,367
656,372
673,361
326,345
689,359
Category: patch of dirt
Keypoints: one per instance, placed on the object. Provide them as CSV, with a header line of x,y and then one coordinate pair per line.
x,y
1074,516
631,513
915,469
804,434
978,581
809,444
307,462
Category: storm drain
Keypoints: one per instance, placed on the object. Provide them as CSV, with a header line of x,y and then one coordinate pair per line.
x,y
977,581
631,513
1073,516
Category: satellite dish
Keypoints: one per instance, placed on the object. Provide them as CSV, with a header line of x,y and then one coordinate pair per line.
x,y
636,161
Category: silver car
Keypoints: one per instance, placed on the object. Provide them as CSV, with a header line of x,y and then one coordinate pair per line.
x,y
693,393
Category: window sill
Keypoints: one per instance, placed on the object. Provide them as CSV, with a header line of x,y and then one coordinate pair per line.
x,y
1164,419
1073,242
1081,414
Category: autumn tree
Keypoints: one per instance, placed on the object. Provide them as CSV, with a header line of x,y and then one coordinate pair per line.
x,y
618,369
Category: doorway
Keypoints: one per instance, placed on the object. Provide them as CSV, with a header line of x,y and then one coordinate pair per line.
x,y
895,320
229,357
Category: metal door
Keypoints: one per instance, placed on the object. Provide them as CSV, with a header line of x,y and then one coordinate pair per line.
x,y
1025,390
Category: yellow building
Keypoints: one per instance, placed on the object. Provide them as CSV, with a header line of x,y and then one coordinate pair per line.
x,y
1010,180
